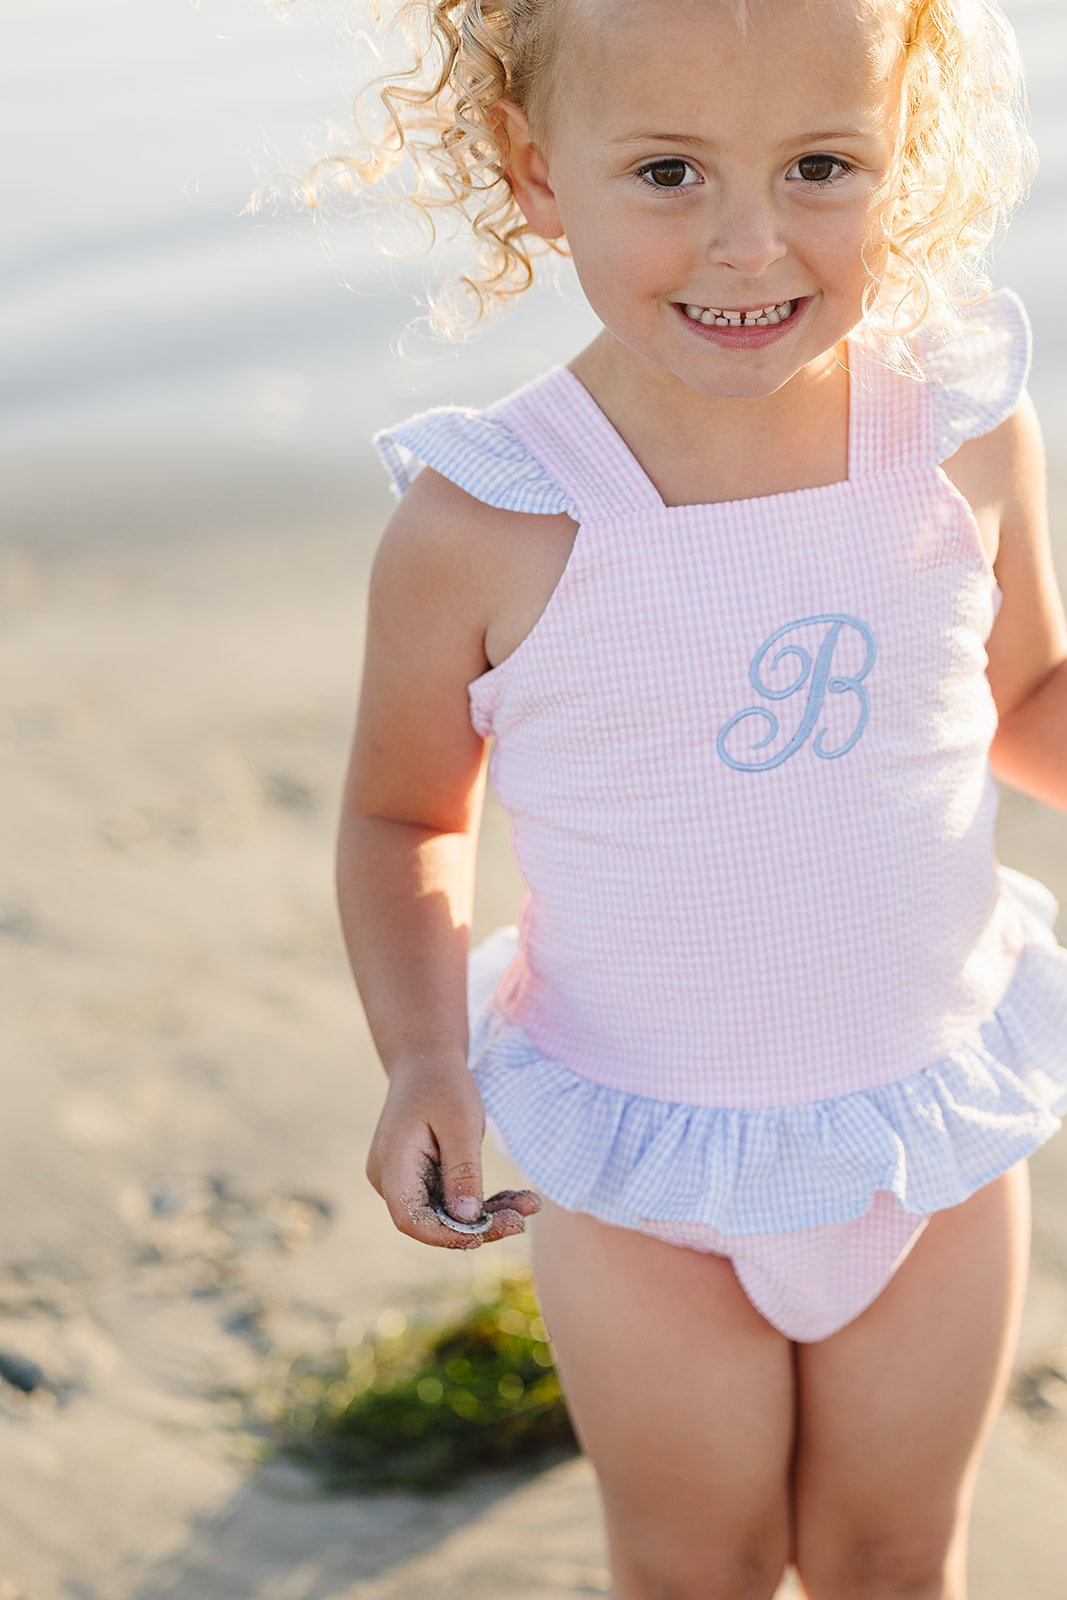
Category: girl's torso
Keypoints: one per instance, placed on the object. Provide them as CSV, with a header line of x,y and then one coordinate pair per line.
x,y
744,746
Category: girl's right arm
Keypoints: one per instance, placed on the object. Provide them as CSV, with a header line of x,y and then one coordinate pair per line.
x,y
405,871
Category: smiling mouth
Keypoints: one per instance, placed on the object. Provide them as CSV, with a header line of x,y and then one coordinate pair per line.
x,y
762,317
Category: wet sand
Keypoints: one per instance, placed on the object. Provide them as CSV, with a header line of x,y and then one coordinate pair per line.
x,y
190,1088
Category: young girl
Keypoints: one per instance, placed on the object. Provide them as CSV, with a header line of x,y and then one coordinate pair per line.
x,y
740,594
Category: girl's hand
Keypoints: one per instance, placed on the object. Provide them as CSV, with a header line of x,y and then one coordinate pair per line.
x,y
427,1147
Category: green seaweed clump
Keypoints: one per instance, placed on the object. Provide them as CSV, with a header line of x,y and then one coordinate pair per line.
x,y
422,1408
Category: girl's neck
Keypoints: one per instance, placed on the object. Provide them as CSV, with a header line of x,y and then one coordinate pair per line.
x,y
698,449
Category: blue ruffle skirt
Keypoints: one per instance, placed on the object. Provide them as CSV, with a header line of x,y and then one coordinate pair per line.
x,y
931,1139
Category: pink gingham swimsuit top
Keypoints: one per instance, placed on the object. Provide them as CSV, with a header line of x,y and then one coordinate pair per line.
x,y
768,966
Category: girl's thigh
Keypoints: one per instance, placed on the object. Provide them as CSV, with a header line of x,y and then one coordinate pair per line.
x,y
893,1411
682,1395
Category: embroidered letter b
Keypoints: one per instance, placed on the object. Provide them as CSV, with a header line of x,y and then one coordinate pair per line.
x,y
814,675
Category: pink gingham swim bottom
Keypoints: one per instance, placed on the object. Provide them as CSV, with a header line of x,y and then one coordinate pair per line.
x,y
808,1283
811,1283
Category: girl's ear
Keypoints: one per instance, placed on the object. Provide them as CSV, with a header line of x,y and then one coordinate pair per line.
x,y
527,173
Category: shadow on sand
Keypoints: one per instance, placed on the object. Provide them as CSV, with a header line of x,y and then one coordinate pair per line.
x,y
279,1538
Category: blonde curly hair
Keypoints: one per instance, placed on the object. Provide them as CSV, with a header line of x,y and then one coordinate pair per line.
x,y
966,156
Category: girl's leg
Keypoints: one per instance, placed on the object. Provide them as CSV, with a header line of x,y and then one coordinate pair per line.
x,y
893,1411
682,1395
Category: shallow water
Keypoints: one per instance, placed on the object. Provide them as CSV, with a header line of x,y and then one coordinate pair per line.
x,y
141,304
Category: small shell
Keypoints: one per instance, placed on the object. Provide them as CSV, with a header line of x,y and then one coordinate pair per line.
x,y
483,1224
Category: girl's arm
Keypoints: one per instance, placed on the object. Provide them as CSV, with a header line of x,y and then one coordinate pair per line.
x,y
406,849
1003,475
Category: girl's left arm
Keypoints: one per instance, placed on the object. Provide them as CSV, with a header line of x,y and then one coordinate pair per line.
x,y
1027,648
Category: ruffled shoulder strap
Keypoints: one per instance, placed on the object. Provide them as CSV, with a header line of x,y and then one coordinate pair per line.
x,y
476,451
977,377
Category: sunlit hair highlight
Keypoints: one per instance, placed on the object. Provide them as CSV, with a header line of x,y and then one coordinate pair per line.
x,y
966,161
965,154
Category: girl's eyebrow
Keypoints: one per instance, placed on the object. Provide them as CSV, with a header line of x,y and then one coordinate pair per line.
x,y
664,138
823,136
830,136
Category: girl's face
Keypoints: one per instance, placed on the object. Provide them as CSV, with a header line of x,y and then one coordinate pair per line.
x,y
721,189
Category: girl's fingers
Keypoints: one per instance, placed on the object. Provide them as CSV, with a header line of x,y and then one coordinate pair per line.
x,y
508,1210
423,1223
505,1225
416,1217
524,1201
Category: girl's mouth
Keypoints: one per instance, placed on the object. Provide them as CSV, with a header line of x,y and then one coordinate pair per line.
x,y
760,317
744,329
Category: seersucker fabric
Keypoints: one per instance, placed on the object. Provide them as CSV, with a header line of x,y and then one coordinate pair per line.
x,y
771,996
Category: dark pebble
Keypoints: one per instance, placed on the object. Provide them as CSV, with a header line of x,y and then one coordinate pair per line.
x,y
19,1373
167,1200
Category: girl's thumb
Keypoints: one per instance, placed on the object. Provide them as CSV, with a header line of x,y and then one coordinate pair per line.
x,y
461,1189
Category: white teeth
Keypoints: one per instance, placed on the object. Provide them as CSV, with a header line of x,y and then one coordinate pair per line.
x,y
765,317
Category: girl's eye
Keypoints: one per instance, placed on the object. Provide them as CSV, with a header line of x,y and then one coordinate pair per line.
x,y
818,171
669,174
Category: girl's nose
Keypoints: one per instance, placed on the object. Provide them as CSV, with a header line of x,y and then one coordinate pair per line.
x,y
746,234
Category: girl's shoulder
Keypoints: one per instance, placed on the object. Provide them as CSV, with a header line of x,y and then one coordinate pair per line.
x,y
977,376
984,428
480,520
478,452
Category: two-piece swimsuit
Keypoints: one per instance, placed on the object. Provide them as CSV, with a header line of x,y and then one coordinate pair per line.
x,y
771,996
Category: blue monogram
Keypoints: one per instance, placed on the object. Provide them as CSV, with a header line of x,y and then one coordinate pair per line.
x,y
815,675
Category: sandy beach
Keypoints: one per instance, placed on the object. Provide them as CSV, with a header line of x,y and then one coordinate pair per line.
x,y
191,1087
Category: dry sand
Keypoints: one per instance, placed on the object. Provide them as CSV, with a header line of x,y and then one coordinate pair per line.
x,y
190,1087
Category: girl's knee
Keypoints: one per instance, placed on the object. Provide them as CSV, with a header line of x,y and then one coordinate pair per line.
x,y
920,1568
711,1574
